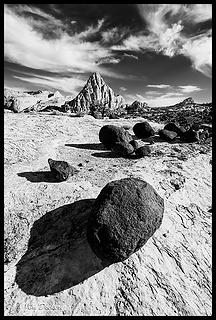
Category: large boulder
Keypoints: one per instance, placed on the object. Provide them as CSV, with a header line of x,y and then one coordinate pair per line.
x,y
109,135
61,169
125,215
173,127
167,135
143,130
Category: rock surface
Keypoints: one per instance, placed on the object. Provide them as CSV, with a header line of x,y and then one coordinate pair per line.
x,y
32,100
110,134
95,94
125,215
58,274
143,130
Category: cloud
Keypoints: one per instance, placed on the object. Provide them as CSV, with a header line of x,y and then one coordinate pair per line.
x,y
159,86
123,88
199,50
165,25
71,85
188,89
27,46
130,56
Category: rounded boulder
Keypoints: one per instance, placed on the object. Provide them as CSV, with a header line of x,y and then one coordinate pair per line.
x,y
125,215
109,135
143,130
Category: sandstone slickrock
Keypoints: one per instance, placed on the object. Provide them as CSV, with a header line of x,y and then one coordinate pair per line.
x,y
110,134
32,100
173,127
123,148
96,93
61,169
125,215
143,130
143,151
167,135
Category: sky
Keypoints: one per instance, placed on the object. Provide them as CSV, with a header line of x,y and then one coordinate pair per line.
x,y
154,53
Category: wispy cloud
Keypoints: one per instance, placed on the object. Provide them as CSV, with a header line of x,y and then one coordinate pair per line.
x,y
189,89
27,46
167,37
123,88
159,86
70,85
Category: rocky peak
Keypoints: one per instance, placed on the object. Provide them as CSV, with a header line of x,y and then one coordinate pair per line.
x,y
95,94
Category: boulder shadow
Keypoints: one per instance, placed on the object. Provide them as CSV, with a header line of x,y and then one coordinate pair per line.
x,y
58,255
38,176
107,154
89,146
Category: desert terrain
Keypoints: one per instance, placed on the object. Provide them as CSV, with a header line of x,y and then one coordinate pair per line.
x,y
50,268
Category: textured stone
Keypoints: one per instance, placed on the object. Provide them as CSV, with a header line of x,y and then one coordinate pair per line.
x,y
143,151
110,134
123,148
96,95
143,130
167,135
61,169
125,215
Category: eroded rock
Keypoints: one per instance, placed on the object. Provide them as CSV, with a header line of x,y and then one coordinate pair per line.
x,y
109,135
61,169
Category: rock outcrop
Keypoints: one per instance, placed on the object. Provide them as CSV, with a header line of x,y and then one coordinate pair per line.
x,y
125,215
95,96
137,107
32,100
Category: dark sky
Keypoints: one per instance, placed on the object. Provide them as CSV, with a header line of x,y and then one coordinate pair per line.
x,y
158,53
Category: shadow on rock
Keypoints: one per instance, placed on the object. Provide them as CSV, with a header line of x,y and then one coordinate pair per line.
x,y
58,255
38,176
89,146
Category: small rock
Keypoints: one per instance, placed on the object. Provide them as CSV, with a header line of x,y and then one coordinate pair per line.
x,y
143,151
174,128
178,183
135,144
80,165
190,136
143,130
61,169
123,148
125,215
167,135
